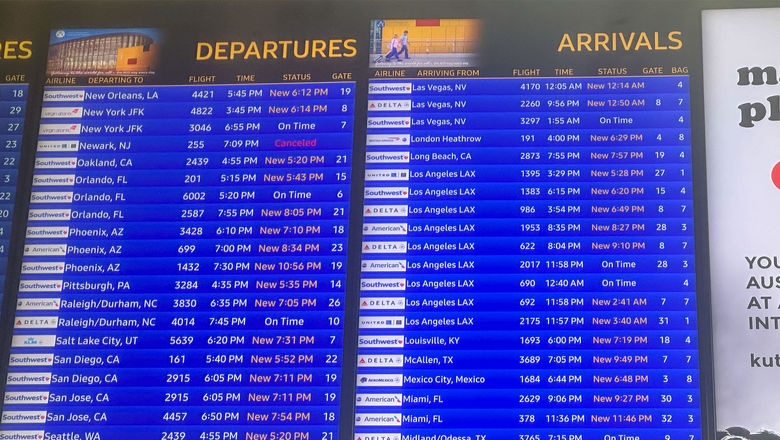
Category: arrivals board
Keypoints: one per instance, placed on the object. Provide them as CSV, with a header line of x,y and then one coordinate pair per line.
x,y
356,220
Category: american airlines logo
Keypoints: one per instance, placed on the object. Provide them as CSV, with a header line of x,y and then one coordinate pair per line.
x,y
383,266
380,360
382,303
43,267
32,250
385,210
38,304
47,232
383,284
384,247
387,175
63,95
377,419
44,146
33,341
391,341
387,157
24,416
48,214
26,397
385,105
29,378
59,129
31,359
40,285
390,399
54,179
390,88
380,380
387,139
55,162
62,112
390,192
35,322
381,322
385,229
389,122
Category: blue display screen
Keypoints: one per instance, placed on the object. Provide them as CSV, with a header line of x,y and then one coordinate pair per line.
x,y
527,262
184,264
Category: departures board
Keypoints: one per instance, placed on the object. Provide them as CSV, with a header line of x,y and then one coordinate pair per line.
x,y
414,220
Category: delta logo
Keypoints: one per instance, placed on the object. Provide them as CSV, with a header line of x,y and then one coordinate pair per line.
x,y
390,88
390,192
388,122
386,157
382,303
385,210
378,436
391,341
381,360
383,284
35,322
387,139
384,247
387,105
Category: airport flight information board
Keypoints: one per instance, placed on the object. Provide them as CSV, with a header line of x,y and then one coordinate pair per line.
x,y
385,222
217,304
528,260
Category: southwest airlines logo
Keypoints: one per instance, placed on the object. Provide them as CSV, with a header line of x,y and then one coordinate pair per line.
x,y
24,416
25,435
48,214
391,88
63,95
51,197
54,179
55,162
31,360
26,397
387,157
40,286
383,284
390,192
47,232
43,268
29,378
388,122
391,341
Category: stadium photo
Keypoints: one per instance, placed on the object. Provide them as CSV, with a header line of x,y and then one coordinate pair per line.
x,y
424,43
103,52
